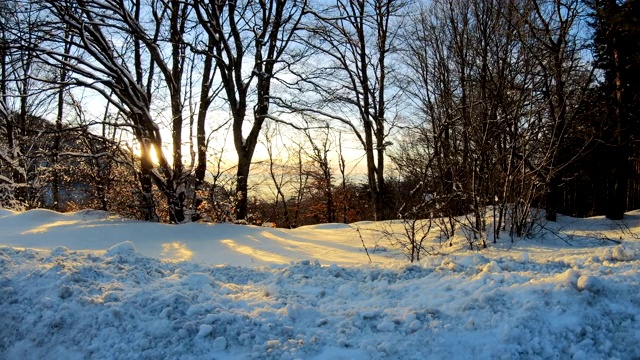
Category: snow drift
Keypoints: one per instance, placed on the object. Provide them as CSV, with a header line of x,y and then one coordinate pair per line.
x,y
87,285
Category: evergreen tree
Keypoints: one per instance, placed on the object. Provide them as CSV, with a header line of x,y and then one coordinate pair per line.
x,y
617,54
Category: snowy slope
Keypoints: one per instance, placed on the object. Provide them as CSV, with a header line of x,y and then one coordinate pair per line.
x,y
87,285
203,243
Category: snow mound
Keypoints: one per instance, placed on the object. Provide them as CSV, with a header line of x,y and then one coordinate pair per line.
x,y
590,283
621,253
169,296
328,226
7,212
62,251
90,214
39,215
124,249
74,305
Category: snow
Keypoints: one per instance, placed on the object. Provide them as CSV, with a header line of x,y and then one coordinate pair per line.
x,y
92,285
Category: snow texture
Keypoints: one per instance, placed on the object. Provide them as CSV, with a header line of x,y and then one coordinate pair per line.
x,y
89,285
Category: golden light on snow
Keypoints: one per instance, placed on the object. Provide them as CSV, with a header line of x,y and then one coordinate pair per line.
x,y
45,227
312,249
255,253
176,251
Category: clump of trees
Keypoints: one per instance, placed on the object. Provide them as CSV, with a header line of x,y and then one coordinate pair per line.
x,y
496,85
474,114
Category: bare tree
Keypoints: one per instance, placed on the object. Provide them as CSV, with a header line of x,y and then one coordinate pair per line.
x,y
550,35
321,172
301,188
156,34
343,206
496,97
24,101
55,183
278,175
256,34
348,76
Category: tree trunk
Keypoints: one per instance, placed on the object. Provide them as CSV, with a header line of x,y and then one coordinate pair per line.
x,y
146,183
58,136
371,172
176,198
553,197
55,182
618,184
205,101
148,207
242,185
619,173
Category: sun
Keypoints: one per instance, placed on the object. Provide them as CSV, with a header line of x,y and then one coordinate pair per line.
x,y
137,151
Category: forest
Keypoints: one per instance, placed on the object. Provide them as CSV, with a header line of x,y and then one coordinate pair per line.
x,y
157,110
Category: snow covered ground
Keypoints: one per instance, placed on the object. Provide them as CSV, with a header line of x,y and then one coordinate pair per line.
x,y
92,286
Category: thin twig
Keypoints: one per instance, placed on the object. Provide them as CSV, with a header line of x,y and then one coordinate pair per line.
x,y
363,245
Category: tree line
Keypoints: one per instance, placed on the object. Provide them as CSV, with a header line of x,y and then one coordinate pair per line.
x,y
459,108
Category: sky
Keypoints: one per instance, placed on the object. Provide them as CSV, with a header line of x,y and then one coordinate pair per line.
x,y
90,284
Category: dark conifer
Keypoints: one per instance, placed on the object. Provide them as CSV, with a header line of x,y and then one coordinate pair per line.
x,y
617,54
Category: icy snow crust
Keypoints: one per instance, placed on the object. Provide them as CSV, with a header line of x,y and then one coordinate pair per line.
x,y
526,302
